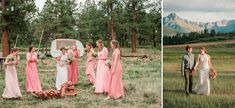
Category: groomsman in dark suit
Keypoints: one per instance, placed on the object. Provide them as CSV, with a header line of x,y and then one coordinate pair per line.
x,y
187,68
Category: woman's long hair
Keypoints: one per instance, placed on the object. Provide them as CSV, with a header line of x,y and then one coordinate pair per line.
x,y
203,48
90,45
14,50
115,42
30,48
101,43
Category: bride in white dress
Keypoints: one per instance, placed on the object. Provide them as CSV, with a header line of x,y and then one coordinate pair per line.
x,y
204,62
62,69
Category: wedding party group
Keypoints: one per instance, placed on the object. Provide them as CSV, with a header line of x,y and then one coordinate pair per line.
x,y
189,66
104,75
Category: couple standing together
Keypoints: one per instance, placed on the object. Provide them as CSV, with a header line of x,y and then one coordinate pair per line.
x,y
108,76
189,66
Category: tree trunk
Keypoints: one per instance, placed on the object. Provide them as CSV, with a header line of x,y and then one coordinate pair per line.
x,y
154,43
154,39
133,32
140,41
43,49
46,49
5,43
80,35
113,31
111,35
126,40
108,35
122,40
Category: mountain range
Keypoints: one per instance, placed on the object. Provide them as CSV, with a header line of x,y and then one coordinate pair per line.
x,y
173,24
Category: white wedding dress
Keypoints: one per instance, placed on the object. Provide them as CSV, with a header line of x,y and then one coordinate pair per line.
x,y
62,72
203,85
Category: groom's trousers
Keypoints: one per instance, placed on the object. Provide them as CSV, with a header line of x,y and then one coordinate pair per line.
x,y
188,80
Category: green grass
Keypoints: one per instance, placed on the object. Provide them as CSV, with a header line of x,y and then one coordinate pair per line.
x,y
141,80
222,88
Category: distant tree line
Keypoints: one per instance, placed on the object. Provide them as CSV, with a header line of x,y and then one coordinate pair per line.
x,y
132,22
194,37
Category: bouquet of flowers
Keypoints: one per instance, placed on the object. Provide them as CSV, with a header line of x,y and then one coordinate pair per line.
x,y
213,74
10,58
94,54
108,62
70,60
41,56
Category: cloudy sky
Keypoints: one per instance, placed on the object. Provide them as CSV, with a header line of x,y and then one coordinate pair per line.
x,y
201,10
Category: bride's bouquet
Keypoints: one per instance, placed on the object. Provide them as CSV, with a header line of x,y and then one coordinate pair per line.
x,y
94,54
70,60
213,74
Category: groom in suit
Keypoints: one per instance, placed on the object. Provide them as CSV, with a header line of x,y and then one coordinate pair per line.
x,y
187,68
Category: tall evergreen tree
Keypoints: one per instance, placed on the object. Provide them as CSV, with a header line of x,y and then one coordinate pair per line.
x,y
17,16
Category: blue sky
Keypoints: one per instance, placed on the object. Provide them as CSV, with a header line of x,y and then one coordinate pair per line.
x,y
201,10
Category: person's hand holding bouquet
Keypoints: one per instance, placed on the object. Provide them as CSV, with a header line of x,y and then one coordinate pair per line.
x,y
108,63
213,74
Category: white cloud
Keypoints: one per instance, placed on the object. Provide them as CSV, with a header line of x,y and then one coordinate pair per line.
x,y
201,10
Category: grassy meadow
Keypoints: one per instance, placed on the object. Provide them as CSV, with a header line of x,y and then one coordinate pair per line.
x,y
141,78
222,88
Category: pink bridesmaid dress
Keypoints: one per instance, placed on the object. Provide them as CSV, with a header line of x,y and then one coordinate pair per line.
x,y
32,79
116,87
90,67
12,89
102,73
73,68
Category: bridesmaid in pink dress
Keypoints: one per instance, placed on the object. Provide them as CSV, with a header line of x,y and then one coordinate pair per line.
x,y
116,87
73,67
12,89
102,74
90,64
32,79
